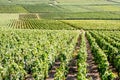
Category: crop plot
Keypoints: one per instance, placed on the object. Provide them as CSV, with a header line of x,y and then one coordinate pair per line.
x,y
59,40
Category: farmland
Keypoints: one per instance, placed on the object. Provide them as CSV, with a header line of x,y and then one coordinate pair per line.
x,y
59,40
34,53
94,24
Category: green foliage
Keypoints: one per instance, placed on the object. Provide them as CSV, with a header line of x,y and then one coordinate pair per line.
x,y
81,59
33,52
94,24
112,52
65,58
40,8
16,2
101,59
61,72
12,9
39,24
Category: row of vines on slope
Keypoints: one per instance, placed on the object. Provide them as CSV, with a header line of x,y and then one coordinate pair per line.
x,y
32,52
111,51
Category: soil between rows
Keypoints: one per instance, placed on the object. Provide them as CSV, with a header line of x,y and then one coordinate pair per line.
x,y
92,66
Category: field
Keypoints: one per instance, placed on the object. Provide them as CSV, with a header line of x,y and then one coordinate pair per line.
x,y
94,24
59,40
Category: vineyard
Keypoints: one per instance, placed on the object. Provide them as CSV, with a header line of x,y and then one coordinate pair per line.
x,y
59,40
41,55
39,24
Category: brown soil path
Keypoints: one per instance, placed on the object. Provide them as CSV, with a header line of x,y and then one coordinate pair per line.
x,y
92,67
53,70
113,69
37,15
72,74
29,77
72,68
